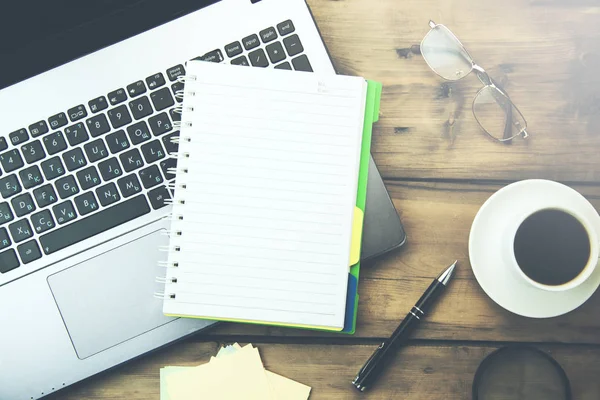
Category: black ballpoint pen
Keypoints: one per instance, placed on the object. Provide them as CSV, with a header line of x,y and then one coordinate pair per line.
x,y
376,363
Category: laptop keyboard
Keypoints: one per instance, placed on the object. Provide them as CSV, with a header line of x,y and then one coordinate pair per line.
x,y
95,166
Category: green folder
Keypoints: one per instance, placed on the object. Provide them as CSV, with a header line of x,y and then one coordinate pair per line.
x,y
371,116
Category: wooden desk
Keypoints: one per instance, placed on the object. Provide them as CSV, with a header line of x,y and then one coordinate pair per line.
x,y
548,53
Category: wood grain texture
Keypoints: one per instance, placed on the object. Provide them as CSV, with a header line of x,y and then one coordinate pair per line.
x,y
440,168
438,218
432,372
547,52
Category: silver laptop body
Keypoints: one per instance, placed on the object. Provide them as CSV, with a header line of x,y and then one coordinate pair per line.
x,y
74,308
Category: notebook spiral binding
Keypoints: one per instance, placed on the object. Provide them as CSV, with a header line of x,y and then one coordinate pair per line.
x,y
179,185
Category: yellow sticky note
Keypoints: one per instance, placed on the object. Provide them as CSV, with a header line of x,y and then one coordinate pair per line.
x,y
164,372
287,389
235,373
357,229
214,380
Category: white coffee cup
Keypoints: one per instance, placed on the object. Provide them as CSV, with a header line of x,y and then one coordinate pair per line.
x,y
573,204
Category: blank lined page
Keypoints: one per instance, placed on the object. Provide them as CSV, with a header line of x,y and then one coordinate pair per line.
x,y
269,194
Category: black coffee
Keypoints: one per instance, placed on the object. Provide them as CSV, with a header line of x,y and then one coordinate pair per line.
x,y
552,247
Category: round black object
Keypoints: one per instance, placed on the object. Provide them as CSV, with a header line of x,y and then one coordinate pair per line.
x,y
520,373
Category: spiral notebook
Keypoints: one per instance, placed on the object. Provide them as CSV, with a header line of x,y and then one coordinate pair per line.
x,y
271,167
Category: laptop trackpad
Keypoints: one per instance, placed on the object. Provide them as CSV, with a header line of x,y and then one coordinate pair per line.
x,y
109,299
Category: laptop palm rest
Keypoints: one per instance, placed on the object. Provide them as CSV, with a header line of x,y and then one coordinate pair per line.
x,y
105,301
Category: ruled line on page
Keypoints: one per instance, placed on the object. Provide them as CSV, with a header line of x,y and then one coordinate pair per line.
x,y
257,308
262,268
275,238
260,89
304,132
196,251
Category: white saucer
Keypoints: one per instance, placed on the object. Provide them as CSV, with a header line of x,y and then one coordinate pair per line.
x,y
496,276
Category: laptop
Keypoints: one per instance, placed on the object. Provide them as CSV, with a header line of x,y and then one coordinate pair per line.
x,y
87,92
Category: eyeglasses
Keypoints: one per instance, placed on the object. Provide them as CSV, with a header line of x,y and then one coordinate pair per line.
x,y
492,108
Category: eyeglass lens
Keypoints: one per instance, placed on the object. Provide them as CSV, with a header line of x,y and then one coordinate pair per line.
x,y
497,115
445,55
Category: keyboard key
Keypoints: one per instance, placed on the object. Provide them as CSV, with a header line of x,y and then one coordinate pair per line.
x,y
23,204
162,99
66,187
301,64
170,147
131,160
293,45
55,143
3,144
285,65
94,224
8,261
240,61
151,177
4,239
166,165
177,87
153,151
6,214
233,49
11,160
110,169
20,230
268,35
174,72
74,159
42,221
108,194
160,124
58,120
141,107
98,125
136,89
86,203
275,52
155,81
119,116
77,113
129,185
250,42
33,151
212,56
31,177
88,178
9,186
117,142
139,133
96,150
18,137
29,252
158,197
38,129
117,96
45,195
285,27
64,212
53,168
98,104
258,58
76,134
